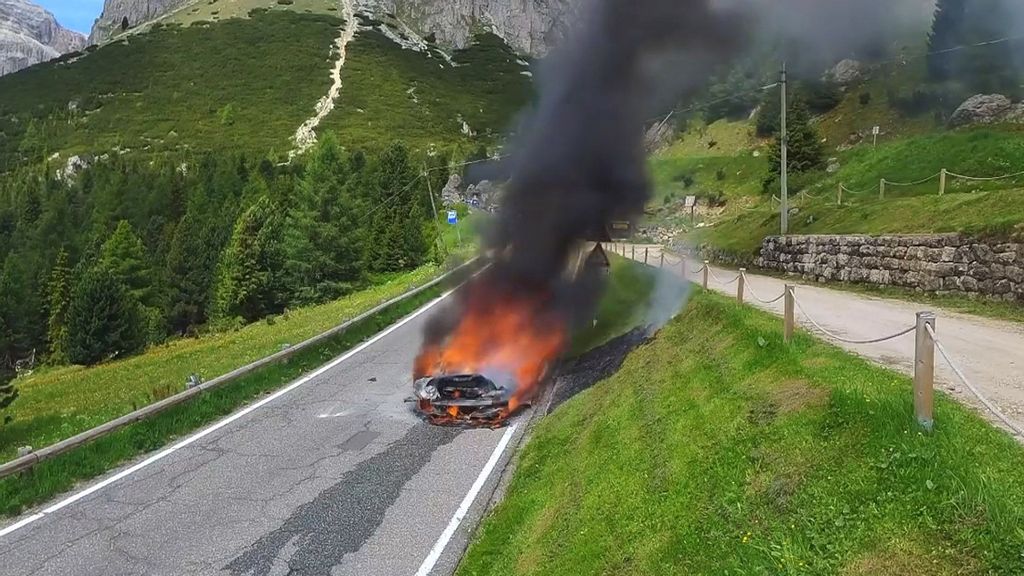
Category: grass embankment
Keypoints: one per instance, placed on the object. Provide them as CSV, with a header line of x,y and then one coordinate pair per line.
x,y
53,477
55,404
623,305
985,213
717,449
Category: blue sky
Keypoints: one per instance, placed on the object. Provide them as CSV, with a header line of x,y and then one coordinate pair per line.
x,y
75,14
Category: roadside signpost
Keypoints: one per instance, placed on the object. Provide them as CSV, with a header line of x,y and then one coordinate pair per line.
x,y
453,219
691,203
874,133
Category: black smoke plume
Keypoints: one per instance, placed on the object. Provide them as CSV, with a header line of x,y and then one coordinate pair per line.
x,y
579,161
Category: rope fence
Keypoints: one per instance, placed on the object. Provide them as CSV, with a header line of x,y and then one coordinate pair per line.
x,y
942,175
926,339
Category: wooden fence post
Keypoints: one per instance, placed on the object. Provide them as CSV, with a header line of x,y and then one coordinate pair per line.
x,y
682,266
647,252
789,317
741,285
924,371
706,272
662,264
632,251
839,196
881,189
942,182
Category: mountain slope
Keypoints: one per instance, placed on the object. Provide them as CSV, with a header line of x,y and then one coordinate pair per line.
x,y
247,84
529,27
29,35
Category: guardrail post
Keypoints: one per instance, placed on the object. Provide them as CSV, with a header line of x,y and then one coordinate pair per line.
x,y
633,252
881,189
662,264
924,371
789,316
706,272
682,266
942,182
741,285
647,252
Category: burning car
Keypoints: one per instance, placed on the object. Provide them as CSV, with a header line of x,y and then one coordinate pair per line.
x,y
493,360
468,398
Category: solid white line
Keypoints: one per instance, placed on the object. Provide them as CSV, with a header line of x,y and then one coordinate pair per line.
x,y
446,536
199,435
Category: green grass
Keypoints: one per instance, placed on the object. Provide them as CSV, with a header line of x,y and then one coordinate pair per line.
x,y
623,305
168,89
52,477
58,403
248,83
224,9
717,449
999,213
419,98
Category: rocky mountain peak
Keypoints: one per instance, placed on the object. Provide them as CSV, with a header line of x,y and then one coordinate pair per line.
x,y
122,14
29,35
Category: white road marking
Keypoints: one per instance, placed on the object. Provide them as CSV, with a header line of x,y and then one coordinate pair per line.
x,y
199,435
460,514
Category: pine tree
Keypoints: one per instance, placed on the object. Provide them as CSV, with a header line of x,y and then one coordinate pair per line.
x,y
250,280
103,319
323,240
124,257
59,301
397,227
805,151
947,32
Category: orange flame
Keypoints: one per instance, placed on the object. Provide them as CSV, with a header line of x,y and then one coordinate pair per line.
x,y
516,334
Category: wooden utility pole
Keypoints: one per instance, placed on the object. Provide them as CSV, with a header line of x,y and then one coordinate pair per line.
x,y
433,206
784,141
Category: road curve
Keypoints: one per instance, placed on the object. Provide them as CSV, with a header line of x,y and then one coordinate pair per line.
x,y
334,476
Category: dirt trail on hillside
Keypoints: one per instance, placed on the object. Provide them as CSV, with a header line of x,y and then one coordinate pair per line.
x,y
305,136
990,352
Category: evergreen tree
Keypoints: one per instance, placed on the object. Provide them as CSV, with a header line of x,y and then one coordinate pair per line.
x,y
250,281
59,301
324,243
103,320
124,257
805,151
947,32
397,240
8,393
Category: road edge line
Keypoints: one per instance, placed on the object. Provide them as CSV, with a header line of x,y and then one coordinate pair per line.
x,y
221,423
442,541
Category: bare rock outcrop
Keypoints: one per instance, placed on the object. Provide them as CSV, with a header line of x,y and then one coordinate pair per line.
x,y
30,35
119,14
987,109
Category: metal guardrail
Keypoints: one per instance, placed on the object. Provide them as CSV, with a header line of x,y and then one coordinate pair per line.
x,y
29,460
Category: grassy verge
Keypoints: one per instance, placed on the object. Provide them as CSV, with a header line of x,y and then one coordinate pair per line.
x,y
719,450
623,305
58,403
60,474
983,213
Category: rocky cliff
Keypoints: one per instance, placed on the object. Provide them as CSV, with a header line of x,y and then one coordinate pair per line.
x,y
528,26
29,35
118,14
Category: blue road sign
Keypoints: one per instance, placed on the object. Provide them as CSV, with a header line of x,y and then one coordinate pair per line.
x,y
453,217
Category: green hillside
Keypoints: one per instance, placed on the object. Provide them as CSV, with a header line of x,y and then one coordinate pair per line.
x,y
246,84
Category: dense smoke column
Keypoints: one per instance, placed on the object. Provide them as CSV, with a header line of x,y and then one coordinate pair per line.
x,y
580,161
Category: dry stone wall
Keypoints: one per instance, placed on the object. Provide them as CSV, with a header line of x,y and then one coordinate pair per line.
x,y
941,263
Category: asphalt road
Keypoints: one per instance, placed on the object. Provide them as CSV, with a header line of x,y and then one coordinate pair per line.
x,y
334,476
990,352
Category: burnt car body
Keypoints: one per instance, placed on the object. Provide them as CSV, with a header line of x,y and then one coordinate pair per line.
x,y
464,397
